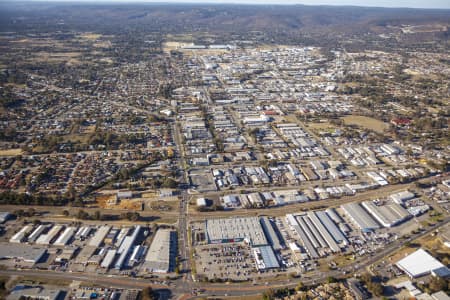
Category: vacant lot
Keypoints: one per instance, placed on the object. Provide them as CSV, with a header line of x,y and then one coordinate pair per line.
x,y
11,152
366,122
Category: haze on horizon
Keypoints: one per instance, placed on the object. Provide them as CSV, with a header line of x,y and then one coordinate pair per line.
x,y
432,4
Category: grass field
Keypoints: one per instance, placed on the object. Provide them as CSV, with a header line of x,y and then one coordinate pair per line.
x,y
11,152
366,122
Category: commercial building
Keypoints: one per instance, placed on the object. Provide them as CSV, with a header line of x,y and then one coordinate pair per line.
x,y
236,230
26,253
265,258
360,217
420,263
160,257
331,242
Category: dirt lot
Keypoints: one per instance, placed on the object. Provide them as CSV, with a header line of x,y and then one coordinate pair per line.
x,y
11,152
366,122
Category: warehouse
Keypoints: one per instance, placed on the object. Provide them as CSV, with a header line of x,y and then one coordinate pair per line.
x,y
236,230
388,215
360,217
160,257
47,239
26,253
420,263
136,255
401,197
270,233
331,212
324,232
36,233
97,239
310,249
20,236
65,237
332,228
83,233
125,247
109,259
311,231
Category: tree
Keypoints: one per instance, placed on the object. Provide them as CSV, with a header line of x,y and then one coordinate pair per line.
x,y
148,294
300,287
65,213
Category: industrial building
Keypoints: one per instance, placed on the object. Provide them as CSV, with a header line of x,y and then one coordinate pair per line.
x,y
360,217
25,253
401,197
36,233
335,232
271,235
108,259
100,234
126,247
236,230
324,232
160,257
310,249
420,263
47,239
20,236
387,214
65,237
265,258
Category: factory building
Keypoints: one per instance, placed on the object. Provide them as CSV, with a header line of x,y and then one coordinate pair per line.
x,y
389,214
360,217
160,257
233,230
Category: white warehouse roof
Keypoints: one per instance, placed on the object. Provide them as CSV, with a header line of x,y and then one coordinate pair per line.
x,y
420,263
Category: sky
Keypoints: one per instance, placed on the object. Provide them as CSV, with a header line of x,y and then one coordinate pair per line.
x,y
445,4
